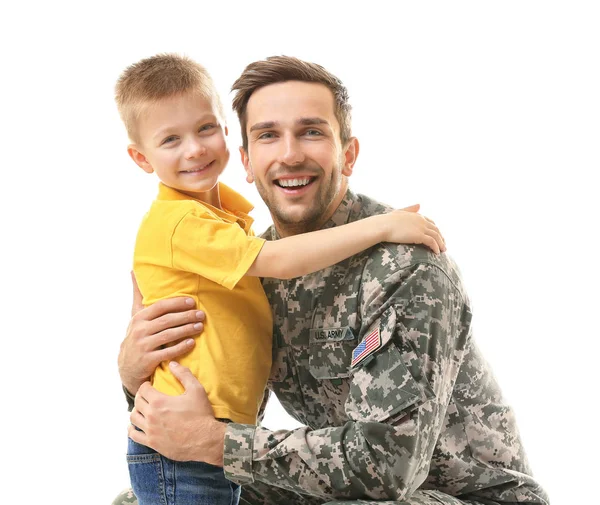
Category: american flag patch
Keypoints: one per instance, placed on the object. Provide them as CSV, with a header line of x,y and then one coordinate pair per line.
x,y
368,344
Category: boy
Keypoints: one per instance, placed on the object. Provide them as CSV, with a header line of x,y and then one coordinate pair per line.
x,y
196,241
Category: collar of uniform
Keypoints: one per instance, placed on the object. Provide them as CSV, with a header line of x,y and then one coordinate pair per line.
x,y
340,216
235,206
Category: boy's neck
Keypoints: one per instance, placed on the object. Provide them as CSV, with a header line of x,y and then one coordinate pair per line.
x,y
211,197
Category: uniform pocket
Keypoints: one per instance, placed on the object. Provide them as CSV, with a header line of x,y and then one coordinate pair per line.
x,y
383,387
331,360
493,438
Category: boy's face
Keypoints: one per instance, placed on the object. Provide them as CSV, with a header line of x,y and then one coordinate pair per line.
x,y
183,141
295,154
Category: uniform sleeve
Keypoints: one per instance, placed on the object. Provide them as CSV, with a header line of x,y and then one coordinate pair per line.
x,y
263,405
396,404
130,399
214,249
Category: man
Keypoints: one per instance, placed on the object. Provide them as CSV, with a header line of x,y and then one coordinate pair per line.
x,y
374,355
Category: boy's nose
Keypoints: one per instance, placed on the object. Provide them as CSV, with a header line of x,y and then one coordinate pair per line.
x,y
194,149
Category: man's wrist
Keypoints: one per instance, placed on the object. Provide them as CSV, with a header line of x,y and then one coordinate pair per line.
x,y
218,438
132,387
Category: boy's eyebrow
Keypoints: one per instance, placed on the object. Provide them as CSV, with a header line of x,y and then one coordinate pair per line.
x,y
163,131
160,133
303,121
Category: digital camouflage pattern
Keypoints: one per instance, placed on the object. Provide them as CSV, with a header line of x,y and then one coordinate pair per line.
x,y
126,497
419,421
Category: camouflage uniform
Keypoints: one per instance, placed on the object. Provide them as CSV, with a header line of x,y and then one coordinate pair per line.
x,y
418,419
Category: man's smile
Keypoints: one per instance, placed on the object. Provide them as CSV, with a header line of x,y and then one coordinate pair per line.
x,y
295,185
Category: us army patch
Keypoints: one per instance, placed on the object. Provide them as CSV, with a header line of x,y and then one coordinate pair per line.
x,y
368,345
331,334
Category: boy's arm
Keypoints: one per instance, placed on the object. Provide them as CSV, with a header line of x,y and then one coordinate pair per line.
x,y
223,253
309,252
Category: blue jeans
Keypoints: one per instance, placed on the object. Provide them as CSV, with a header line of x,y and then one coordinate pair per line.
x,y
157,480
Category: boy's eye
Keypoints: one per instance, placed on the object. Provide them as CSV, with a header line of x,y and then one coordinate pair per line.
x,y
207,127
170,138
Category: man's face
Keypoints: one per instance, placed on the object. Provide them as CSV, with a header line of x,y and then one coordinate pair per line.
x,y
295,154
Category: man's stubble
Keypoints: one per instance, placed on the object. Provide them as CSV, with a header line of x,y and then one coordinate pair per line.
x,y
315,215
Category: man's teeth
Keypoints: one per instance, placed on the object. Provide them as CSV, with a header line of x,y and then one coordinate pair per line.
x,y
286,183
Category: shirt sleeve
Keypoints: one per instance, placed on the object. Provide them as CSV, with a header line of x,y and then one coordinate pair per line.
x,y
214,249
396,403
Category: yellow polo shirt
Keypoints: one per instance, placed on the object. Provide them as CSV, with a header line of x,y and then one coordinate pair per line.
x,y
185,247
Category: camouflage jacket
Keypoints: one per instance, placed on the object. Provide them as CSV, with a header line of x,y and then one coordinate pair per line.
x,y
375,357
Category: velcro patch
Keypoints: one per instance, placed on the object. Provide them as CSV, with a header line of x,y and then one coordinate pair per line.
x,y
368,345
331,334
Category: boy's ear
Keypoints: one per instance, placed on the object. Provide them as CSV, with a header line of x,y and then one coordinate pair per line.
x,y
350,155
139,158
247,165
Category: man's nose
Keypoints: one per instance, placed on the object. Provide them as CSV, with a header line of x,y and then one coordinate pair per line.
x,y
291,151
194,149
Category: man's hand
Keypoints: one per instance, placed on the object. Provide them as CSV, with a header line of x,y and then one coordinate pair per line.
x,y
182,428
150,331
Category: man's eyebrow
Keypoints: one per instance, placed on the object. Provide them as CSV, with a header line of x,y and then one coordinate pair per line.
x,y
307,121
303,121
264,125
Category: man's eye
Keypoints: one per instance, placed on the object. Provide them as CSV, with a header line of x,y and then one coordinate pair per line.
x,y
313,133
266,136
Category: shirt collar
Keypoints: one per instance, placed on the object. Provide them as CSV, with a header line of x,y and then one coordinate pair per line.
x,y
231,201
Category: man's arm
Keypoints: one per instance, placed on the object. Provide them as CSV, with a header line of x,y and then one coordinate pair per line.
x,y
396,405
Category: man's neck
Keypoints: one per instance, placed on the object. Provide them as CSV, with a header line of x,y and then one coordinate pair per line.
x,y
289,229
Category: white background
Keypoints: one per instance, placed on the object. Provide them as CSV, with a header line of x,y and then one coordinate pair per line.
x,y
488,114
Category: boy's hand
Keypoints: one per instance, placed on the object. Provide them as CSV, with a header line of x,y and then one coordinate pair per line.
x,y
182,428
406,226
150,329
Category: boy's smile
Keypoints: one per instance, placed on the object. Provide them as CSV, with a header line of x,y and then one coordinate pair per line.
x,y
182,139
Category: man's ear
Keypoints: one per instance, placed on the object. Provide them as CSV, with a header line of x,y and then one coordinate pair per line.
x,y
139,158
247,165
350,155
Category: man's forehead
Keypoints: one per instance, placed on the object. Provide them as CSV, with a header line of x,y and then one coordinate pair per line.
x,y
291,101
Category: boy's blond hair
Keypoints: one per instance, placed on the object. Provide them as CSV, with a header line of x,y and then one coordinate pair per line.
x,y
161,76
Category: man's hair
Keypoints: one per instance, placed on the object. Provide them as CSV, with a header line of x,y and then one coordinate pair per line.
x,y
287,68
161,76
